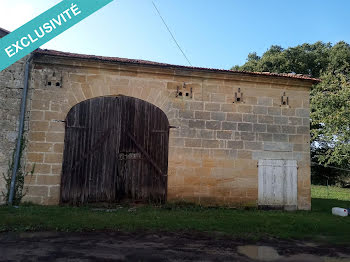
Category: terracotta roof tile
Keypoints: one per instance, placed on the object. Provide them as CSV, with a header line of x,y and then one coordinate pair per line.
x,y
145,62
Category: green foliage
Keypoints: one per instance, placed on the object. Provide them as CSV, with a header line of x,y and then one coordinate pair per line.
x,y
19,191
330,105
318,224
308,59
330,99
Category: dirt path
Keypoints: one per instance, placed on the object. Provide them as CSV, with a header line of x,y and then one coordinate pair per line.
x,y
117,246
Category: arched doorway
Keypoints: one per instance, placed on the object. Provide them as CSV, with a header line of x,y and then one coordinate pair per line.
x,y
115,149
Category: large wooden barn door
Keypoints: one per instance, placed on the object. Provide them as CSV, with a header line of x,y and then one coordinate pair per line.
x,y
116,149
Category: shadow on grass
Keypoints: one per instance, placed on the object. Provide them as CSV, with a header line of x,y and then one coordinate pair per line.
x,y
326,205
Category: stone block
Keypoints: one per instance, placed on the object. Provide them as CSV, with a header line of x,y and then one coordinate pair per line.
x,y
192,142
280,120
264,137
187,132
244,109
303,130
265,119
56,127
250,118
37,191
245,127
210,143
302,112
252,145
186,114
55,137
36,136
48,180
37,126
220,116
40,104
275,111
265,101
273,129
212,107
82,78
280,137
39,168
217,97
54,116
196,105
306,121
224,134
53,158
222,154
260,110
235,144
244,154
58,148
259,128
213,125
199,96
278,147
302,147
289,129
35,157
56,169
247,136
200,124
177,141
228,108
288,111
37,115
229,125
234,117
202,115
295,121
296,139
205,134
251,100
40,147
256,155
54,191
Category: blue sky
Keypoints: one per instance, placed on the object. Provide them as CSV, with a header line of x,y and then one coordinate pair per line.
x,y
213,33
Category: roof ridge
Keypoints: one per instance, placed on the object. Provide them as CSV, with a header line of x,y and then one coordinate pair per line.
x,y
6,31
146,62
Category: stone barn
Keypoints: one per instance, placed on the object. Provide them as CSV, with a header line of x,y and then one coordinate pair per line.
x,y
103,129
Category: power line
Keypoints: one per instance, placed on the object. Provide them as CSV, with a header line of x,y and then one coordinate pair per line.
x,y
171,34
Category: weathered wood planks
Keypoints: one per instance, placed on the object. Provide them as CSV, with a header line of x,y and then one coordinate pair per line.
x,y
112,153
278,184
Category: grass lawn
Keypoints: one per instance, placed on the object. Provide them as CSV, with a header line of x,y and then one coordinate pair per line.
x,y
318,225
330,193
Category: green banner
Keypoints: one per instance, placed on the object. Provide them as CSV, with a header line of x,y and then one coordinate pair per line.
x,y
45,27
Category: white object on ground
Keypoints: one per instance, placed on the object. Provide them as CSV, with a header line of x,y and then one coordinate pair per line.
x,y
338,211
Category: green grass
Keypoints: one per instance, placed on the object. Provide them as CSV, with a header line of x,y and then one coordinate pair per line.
x,y
317,225
330,193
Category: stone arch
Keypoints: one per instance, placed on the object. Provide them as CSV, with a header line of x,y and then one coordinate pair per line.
x,y
48,109
116,148
157,95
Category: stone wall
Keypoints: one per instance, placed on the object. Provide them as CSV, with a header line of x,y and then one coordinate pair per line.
x,y
215,148
11,86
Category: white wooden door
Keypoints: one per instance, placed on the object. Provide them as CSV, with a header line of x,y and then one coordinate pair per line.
x,y
278,183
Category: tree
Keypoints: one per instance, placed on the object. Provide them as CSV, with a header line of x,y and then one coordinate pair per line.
x,y
330,99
